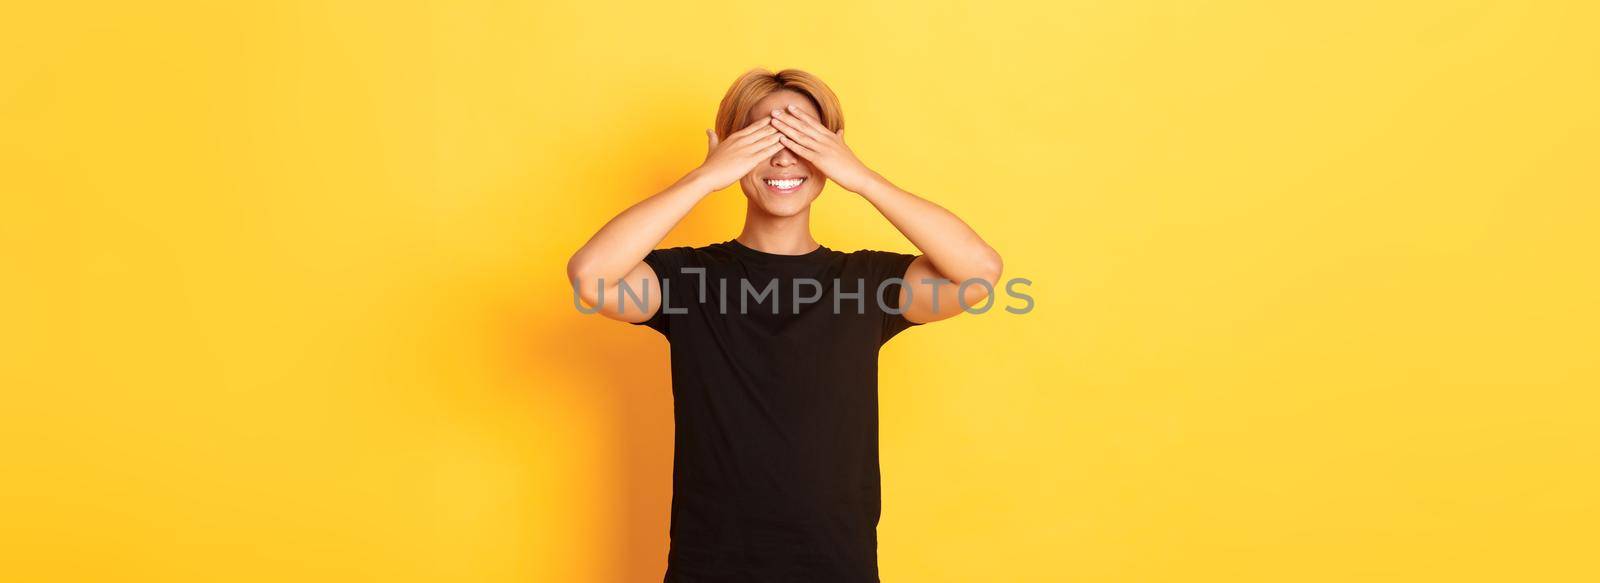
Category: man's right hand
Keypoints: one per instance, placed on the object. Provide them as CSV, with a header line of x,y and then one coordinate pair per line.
x,y
729,160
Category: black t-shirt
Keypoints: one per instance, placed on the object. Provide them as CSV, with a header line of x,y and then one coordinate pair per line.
x,y
775,474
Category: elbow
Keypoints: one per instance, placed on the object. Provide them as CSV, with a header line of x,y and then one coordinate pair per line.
x,y
575,270
990,266
580,275
585,287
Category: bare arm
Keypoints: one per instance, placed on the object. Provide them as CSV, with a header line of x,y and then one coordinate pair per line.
x,y
951,250
616,253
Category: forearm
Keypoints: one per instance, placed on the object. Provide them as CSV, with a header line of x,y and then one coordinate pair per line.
x,y
623,242
954,249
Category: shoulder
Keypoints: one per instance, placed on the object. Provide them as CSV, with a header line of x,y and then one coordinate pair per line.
x,y
878,255
687,252
673,259
881,259
876,265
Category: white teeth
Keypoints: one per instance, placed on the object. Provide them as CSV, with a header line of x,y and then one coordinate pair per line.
x,y
785,184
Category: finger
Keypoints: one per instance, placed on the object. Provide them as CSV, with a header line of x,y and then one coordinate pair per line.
x,y
799,124
756,133
808,120
756,125
765,141
788,130
769,151
795,147
711,140
749,141
797,134
753,126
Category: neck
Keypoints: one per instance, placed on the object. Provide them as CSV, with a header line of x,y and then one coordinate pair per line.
x,y
777,235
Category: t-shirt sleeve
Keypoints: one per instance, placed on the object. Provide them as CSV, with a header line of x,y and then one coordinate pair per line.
x,y
668,264
887,265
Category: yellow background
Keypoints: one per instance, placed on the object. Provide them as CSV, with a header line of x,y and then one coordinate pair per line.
x,y
284,300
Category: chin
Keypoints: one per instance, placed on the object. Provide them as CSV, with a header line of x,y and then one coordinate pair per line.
x,y
785,205
785,211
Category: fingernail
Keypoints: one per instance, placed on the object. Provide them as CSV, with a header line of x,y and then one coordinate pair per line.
x,y
777,112
794,107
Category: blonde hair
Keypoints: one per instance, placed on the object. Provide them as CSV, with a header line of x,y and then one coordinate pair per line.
x,y
756,84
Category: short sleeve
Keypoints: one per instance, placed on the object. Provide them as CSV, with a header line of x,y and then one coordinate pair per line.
x,y
885,266
668,265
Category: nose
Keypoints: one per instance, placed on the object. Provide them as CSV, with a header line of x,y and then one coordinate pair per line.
x,y
784,158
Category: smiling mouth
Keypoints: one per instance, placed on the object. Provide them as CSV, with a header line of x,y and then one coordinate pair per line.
x,y
784,184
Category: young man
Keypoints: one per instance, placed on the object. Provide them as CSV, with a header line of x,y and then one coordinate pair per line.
x,y
775,338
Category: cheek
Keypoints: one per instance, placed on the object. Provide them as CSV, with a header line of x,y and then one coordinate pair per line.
x,y
811,169
751,178
751,186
